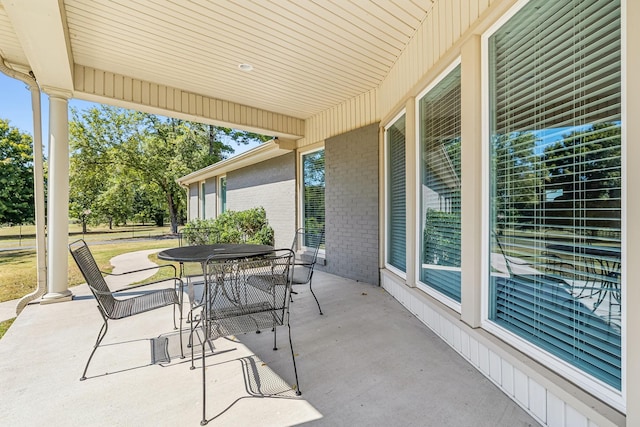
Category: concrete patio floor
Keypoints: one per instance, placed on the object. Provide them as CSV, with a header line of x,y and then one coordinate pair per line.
x,y
366,362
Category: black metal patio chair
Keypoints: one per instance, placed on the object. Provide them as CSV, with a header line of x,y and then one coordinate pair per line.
x,y
244,296
112,308
306,245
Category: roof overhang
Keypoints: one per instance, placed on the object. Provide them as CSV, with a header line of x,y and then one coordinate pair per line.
x,y
185,58
265,151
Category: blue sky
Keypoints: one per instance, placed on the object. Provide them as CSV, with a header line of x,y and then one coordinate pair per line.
x,y
15,106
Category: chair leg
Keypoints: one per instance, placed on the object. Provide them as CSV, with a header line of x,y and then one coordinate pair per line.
x,y
293,357
191,332
181,344
101,334
314,296
204,387
275,345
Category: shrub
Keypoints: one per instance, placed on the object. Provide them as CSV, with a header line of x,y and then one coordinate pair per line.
x,y
442,238
249,226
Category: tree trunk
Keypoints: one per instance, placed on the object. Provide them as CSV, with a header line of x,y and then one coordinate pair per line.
x,y
173,213
212,139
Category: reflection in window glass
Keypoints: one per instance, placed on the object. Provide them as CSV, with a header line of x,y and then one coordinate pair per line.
x,y
440,186
313,191
555,200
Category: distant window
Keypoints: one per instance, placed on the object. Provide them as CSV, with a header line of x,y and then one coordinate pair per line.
x,y
313,191
223,194
203,202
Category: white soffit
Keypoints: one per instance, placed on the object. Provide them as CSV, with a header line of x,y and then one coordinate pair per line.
x,y
10,48
307,55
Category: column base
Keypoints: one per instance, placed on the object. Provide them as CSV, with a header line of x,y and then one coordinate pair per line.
x,y
53,297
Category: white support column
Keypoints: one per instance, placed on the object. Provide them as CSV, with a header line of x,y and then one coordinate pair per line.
x,y
411,167
471,183
58,199
631,200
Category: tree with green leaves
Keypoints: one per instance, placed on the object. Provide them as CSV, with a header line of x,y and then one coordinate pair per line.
x,y
314,186
93,138
16,175
586,163
131,160
516,178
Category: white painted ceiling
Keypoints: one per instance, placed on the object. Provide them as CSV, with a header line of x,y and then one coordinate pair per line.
x,y
307,55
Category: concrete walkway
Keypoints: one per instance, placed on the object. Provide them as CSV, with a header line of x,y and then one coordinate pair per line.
x,y
121,264
8,309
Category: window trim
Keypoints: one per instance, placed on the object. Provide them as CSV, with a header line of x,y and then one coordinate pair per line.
x,y
388,266
610,395
300,189
451,303
219,194
203,204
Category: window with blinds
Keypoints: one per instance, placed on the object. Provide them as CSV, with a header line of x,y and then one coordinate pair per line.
x,y
202,200
313,191
223,194
439,122
555,182
396,195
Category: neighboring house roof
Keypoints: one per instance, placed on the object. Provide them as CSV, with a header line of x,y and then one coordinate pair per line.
x,y
262,152
438,166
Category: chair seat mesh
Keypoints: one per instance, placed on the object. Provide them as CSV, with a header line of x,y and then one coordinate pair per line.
x,y
141,303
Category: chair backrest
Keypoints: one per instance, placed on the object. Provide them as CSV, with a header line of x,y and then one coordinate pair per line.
x,y
306,245
247,295
91,273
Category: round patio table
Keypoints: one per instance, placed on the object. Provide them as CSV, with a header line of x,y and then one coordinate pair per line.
x,y
608,258
203,253
220,251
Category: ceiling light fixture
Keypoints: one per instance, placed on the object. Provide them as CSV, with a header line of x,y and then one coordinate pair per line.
x,y
245,67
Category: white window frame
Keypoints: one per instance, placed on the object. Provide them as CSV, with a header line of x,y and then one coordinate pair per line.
x,y
388,266
300,179
219,194
603,391
452,304
202,205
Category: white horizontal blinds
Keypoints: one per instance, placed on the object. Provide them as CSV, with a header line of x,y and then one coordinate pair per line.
x,y
556,181
396,196
313,182
440,185
559,80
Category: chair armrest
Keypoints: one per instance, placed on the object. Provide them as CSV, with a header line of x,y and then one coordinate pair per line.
x,y
305,264
175,272
176,280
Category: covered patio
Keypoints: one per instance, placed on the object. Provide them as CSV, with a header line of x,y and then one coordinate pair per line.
x,y
367,362
353,79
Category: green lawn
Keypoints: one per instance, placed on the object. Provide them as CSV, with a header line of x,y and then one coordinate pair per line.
x,y
24,236
4,326
18,267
